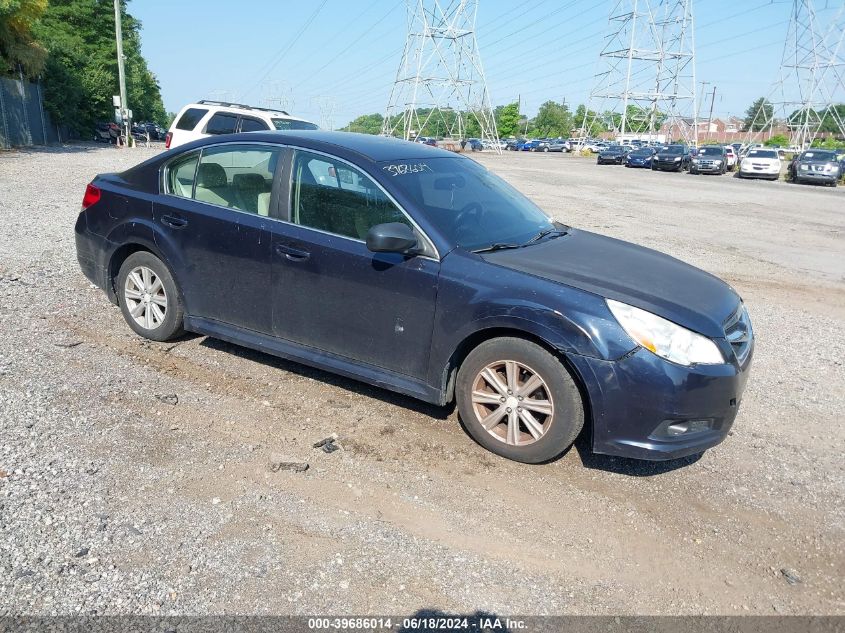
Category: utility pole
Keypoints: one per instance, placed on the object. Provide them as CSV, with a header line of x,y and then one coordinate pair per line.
x,y
118,34
710,116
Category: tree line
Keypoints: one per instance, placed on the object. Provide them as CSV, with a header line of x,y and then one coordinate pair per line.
x,y
70,46
553,120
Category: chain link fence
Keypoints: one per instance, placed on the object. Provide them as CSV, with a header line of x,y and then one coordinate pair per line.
x,y
23,121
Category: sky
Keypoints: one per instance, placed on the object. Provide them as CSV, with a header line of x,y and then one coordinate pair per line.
x,y
332,60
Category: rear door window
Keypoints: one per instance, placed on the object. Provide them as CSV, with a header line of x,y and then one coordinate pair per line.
x,y
222,123
238,177
189,120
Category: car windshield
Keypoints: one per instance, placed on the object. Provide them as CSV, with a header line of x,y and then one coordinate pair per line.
x,y
614,148
712,151
641,152
469,205
293,124
762,153
818,155
674,149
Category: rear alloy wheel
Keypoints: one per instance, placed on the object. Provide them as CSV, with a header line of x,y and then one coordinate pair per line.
x,y
519,401
148,297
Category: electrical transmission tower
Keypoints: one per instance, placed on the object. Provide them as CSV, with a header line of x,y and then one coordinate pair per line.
x,y
327,106
440,85
646,74
811,83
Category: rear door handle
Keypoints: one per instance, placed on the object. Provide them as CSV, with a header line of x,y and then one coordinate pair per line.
x,y
174,221
293,254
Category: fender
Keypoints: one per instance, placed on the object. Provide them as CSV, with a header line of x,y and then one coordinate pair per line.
x,y
146,234
569,320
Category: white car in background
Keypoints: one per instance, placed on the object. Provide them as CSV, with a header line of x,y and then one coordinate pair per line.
x,y
732,158
207,118
760,162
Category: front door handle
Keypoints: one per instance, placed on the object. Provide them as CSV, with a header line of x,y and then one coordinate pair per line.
x,y
293,254
174,221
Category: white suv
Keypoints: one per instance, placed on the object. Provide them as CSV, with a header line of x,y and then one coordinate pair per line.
x,y
207,118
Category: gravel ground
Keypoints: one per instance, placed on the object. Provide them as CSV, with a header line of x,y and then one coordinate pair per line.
x,y
118,498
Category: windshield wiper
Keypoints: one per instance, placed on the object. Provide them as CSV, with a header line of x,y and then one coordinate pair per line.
x,y
498,246
553,231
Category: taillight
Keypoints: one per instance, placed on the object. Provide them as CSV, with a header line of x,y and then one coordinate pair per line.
x,y
92,196
167,138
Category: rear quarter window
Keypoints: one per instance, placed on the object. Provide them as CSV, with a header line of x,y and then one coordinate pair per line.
x,y
253,125
189,120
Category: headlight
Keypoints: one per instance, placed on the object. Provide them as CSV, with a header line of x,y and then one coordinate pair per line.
x,y
664,338
695,161
804,167
677,158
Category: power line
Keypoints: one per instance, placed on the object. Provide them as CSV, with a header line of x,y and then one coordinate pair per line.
x,y
277,58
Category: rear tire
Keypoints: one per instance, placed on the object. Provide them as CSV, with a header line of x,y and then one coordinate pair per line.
x,y
519,401
148,297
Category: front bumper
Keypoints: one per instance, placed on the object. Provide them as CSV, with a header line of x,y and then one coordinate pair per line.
x,y
634,400
708,168
816,176
761,172
667,165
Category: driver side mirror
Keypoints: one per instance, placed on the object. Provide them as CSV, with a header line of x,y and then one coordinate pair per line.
x,y
392,237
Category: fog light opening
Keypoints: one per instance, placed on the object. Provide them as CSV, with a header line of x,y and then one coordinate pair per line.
x,y
688,427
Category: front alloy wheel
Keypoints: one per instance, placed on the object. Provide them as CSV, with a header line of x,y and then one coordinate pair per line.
x,y
512,402
518,400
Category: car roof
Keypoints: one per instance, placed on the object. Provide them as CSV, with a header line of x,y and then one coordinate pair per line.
x,y
342,144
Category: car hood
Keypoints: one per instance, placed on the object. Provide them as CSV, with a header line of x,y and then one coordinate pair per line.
x,y
668,156
629,273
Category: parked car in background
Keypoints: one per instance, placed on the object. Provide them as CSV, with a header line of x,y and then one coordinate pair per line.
x,y
210,118
612,155
710,159
672,158
760,163
515,144
541,145
475,144
730,153
102,132
641,157
532,145
420,271
815,166
558,145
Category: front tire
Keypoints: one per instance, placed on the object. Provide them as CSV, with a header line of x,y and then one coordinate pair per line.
x,y
148,297
519,401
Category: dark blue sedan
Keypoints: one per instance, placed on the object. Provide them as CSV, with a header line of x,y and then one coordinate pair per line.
x,y
420,271
641,157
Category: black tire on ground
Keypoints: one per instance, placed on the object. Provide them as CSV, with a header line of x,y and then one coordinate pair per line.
x,y
564,425
172,324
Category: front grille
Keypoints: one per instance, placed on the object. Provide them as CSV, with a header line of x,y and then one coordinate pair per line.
x,y
739,334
